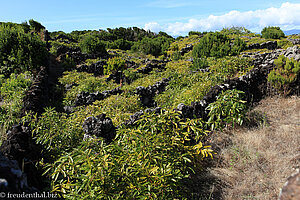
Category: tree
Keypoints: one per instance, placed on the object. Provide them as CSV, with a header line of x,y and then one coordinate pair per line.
x,y
91,44
272,32
20,51
36,26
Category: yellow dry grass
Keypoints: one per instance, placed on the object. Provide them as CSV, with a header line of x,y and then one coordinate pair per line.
x,y
254,163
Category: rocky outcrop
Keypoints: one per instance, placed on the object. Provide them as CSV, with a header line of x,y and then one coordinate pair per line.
x,y
294,41
186,49
292,52
20,147
147,94
86,98
100,126
12,179
291,189
270,45
37,97
151,65
95,68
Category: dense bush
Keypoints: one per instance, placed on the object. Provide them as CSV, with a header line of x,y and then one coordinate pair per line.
x,y
155,46
12,91
148,161
272,32
235,30
285,73
20,51
91,44
113,65
217,45
229,108
120,44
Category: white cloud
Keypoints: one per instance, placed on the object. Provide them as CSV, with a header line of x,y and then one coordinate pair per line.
x,y
287,17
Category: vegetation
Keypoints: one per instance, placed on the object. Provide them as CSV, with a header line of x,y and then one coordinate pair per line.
x,y
272,32
217,45
92,44
157,156
20,51
286,72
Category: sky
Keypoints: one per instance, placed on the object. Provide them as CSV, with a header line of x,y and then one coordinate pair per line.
x,y
176,17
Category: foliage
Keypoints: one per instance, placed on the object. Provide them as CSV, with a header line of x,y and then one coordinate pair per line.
x,y
91,44
176,56
229,108
19,51
235,30
113,65
120,44
12,91
36,26
199,63
148,161
217,45
272,32
155,46
284,74
56,132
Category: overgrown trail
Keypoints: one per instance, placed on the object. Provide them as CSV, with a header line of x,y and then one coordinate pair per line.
x,y
55,71
254,163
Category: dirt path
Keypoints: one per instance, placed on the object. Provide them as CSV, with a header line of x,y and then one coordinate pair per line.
x,y
254,163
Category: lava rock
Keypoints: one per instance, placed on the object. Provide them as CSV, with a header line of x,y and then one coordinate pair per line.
x,y
291,189
95,68
147,94
86,98
99,126
12,179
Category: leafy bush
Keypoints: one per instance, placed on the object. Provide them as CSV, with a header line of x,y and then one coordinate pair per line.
x,y
148,161
199,63
284,74
12,91
235,30
217,45
155,46
229,108
176,56
120,44
113,65
91,44
36,26
19,51
272,32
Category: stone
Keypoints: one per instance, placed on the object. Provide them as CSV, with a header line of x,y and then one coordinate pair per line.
x,y
99,126
291,189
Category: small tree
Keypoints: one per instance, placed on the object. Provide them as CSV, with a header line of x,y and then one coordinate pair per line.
x,y
91,44
284,74
36,26
272,32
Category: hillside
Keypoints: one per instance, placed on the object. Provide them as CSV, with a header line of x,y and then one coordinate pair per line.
x,y
129,114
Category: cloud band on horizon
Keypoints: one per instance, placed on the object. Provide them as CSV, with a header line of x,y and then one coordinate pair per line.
x,y
287,16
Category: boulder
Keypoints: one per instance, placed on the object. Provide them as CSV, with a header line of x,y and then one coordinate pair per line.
x,y
291,189
99,126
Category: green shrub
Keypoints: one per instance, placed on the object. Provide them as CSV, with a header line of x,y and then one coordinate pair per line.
x,y
91,44
149,161
272,32
199,63
36,26
19,51
120,44
155,46
113,65
284,74
176,56
217,45
229,108
12,91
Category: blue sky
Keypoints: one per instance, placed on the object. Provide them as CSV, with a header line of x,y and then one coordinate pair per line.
x,y
176,17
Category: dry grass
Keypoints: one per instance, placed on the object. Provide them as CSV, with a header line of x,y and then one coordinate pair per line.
x,y
254,163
